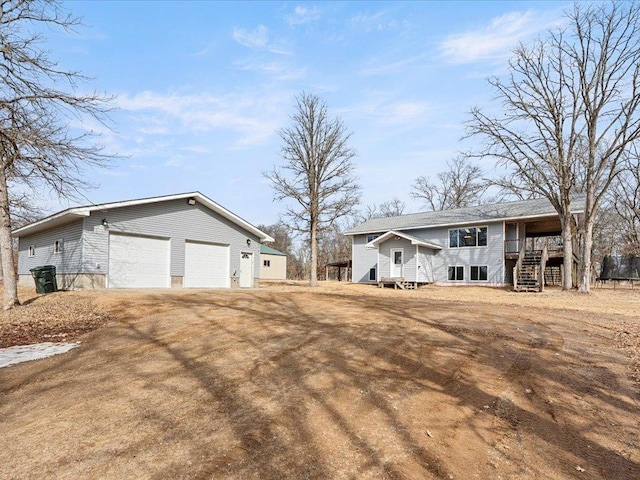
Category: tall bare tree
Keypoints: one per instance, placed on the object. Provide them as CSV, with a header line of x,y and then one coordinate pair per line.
x,y
461,185
37,100
318,173
390,208
624,201
569,113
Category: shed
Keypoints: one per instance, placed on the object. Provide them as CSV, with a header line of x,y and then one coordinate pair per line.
x,y
273,264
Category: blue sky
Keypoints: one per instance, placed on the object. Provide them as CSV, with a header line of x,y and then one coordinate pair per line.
x,y
203,87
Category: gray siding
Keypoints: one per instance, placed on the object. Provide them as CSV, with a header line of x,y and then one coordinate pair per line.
x,y
68,261
425,264
492,255
170,219
363,259
408,258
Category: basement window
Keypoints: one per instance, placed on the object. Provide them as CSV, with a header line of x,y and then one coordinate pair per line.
x,y
456,274
32,251
478,273
372,274
57,246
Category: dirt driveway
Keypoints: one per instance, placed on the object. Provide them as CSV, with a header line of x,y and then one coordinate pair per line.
x,y
343,381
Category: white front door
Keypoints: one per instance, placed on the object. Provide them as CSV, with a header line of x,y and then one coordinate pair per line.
x,y
246,269
396,262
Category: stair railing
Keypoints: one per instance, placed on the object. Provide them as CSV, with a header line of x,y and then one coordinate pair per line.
x,y
516,269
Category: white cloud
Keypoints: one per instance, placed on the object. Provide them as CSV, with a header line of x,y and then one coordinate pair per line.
x,y
495,40
280,71
302,15
259,39
252,117
385,111
379,21
378,66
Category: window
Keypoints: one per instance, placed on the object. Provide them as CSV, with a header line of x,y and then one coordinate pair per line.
x,y
57,246
372,274
32,251
456,274
478,273
266,263
371,238
468,237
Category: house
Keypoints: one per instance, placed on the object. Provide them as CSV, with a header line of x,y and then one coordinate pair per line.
x,y
182,240
273,264
481,245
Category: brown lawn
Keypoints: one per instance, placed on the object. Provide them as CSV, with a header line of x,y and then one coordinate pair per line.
x,y
342,381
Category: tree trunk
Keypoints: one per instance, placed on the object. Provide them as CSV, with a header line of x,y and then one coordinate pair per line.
x,y
585,256
6,248
567,252
313,279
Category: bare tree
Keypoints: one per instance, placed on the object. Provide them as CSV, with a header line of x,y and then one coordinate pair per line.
x,y
569,113
318,173
37,101
390,208
624,201
460,186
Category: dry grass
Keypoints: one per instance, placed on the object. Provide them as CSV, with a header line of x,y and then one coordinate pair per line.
x,y
342,381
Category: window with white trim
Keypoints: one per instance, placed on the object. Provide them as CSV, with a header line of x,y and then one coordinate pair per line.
x,y
372,274
266,263
455,273
468,237
57,246
32,251
371,238
479,273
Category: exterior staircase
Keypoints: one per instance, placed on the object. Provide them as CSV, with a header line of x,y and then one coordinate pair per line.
x,y
529,272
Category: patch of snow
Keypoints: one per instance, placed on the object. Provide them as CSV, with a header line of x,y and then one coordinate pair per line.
x,y
24,353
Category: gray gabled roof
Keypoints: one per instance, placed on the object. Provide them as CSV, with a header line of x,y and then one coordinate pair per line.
x,y
414,240
71,214
540,207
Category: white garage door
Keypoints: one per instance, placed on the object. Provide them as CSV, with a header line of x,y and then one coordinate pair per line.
x,y
206,265
138,262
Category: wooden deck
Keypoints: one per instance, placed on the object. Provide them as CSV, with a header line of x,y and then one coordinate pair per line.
x,y
397,282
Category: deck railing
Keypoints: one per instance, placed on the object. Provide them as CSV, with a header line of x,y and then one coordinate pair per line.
x,y
551,244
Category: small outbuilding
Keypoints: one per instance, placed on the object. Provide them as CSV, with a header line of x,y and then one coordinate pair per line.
x,y
273,264
171,241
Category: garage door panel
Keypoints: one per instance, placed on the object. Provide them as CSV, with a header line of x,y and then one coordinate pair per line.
x,y
138,262
206,265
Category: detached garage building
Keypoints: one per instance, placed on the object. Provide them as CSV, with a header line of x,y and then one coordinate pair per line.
x,y
183,240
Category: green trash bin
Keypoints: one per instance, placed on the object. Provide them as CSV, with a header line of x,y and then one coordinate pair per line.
x,y
45,278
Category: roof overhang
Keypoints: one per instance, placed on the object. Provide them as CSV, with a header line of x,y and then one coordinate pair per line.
x,y
394,233
71,214
467,223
